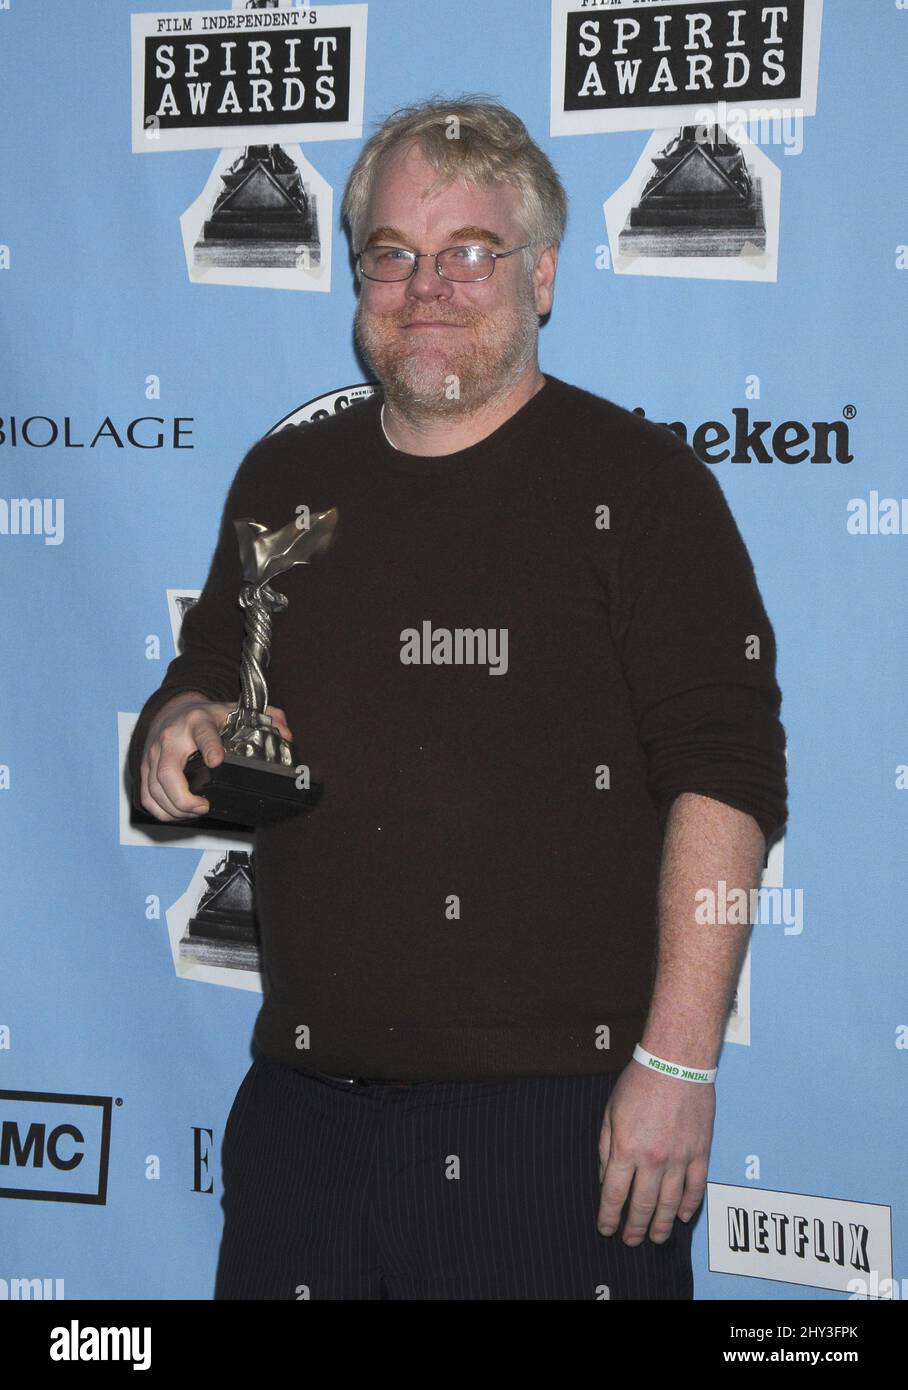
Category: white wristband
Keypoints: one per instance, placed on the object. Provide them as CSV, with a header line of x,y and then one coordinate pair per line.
x,y
673,1068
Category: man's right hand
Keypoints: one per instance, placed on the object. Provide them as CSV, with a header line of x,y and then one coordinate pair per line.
x,y
187,724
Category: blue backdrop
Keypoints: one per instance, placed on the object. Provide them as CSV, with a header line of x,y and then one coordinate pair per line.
x,y
103,320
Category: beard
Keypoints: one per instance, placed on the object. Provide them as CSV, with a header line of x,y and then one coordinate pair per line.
x,y
430,380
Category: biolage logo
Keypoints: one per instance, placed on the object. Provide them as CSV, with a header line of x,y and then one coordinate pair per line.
x,y
64,432
54,1147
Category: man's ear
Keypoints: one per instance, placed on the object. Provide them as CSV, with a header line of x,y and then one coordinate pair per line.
x,y
544,278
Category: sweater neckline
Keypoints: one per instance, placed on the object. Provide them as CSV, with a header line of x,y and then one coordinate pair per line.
x,y
526,418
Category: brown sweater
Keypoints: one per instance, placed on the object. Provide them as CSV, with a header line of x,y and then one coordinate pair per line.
x,y
502,694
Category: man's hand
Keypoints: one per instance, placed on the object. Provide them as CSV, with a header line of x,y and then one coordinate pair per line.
x,y
186,724
657,1133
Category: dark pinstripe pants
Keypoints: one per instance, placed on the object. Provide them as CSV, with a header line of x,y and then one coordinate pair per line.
x,y
434,1190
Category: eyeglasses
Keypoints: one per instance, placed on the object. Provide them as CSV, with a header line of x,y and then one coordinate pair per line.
x,y
461,263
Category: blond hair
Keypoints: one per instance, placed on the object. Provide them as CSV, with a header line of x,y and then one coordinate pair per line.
x,y
473,138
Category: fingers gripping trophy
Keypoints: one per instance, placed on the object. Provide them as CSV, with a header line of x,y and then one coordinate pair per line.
x,y
258,782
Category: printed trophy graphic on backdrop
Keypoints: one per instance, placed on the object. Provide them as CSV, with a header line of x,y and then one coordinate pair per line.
x,y
223,929
257,781
263,215
700,200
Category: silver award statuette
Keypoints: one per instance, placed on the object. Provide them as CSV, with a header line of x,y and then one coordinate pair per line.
x,y
257,781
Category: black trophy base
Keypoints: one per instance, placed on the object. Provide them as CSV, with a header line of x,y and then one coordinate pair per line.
x,y
249,791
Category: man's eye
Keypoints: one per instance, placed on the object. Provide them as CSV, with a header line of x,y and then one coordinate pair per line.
x,y
467,253
391,253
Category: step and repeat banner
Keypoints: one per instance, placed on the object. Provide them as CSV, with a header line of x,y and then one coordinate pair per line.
x,y
175,283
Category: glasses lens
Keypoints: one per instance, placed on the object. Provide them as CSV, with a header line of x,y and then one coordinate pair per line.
x,y
386,263
466,263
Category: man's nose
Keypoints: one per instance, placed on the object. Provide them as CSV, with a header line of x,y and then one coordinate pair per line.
x,y
426,283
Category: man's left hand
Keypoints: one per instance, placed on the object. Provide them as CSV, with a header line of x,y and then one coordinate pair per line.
x,y
656,1134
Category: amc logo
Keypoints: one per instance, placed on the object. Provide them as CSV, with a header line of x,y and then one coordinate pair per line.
x,y
53,1147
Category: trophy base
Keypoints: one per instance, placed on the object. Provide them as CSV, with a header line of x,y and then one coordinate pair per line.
x,y
248,791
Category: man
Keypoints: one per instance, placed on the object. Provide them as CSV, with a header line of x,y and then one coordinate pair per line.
x,y
535,675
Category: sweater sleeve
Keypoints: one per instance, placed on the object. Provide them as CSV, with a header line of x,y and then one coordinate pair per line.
x,y
698,650
212,629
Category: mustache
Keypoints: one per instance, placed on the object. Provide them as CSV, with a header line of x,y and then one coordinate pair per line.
x,y
402,318
437,319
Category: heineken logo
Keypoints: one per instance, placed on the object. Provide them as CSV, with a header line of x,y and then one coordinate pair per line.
x,y
749,440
